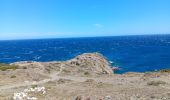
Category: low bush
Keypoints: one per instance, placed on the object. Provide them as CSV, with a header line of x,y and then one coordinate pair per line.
x,y
156,83
34,86
24,67
4,67
86,73
13,76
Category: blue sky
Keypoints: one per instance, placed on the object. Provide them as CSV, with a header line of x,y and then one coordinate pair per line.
x,y
25,19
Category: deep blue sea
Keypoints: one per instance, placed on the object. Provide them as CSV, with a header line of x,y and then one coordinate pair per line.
x,y
130,53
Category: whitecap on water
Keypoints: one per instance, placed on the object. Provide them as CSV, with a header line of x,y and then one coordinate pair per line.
x,y
111,62
37,57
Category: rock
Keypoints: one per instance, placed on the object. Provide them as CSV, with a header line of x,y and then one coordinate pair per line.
x,y
25,95
107,98
78,98
94,62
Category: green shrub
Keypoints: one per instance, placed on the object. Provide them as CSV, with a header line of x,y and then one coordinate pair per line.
x,y
4,67
86,73
34,86
13,76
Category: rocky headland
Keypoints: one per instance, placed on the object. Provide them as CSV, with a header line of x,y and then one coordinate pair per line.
x,y
86,77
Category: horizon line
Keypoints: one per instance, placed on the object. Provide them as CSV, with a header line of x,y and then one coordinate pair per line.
x,y
82,37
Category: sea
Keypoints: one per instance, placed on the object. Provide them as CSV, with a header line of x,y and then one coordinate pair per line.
x,y
140,53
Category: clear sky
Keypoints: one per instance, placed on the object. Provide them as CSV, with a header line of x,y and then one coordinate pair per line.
x,y
24,19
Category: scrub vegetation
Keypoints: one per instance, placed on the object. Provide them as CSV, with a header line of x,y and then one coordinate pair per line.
x,y
4,67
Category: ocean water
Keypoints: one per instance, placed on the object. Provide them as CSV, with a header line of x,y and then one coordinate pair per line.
x,y
130,53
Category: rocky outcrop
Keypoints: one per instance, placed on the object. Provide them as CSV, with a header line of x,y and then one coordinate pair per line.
x,y
93,62
85,64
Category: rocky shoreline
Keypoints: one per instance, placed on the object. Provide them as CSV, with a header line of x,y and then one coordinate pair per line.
x,y
86,77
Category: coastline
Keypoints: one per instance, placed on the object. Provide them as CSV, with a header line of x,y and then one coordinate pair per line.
x,y
85,77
